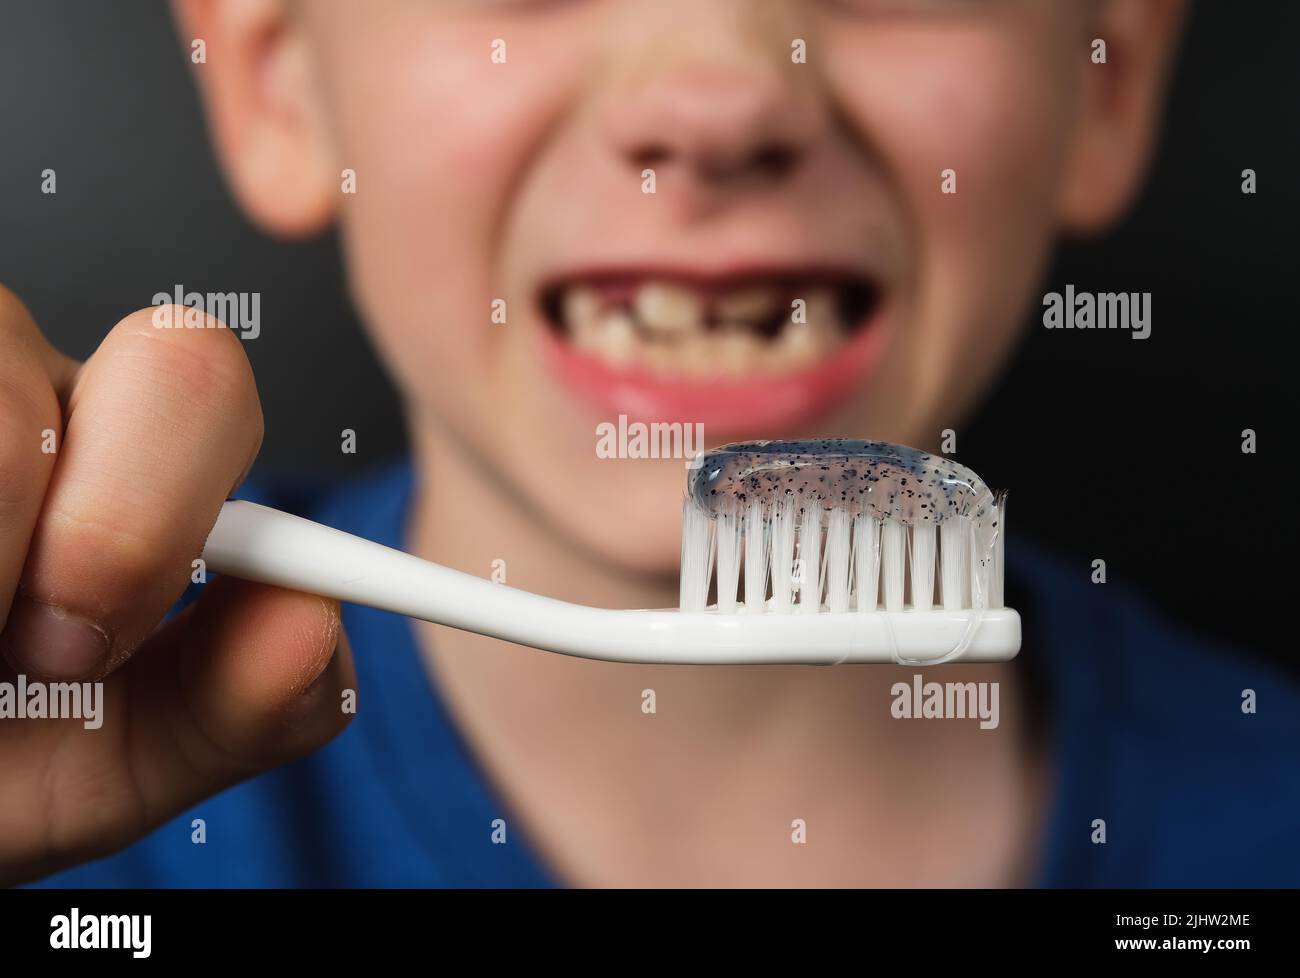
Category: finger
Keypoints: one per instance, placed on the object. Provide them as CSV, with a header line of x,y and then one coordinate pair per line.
x,y
30,423
160,426
247,678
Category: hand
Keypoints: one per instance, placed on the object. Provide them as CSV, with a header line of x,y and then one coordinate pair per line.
x,y
112,472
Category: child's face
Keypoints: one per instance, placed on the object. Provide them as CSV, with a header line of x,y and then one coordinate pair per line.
x,y
516,173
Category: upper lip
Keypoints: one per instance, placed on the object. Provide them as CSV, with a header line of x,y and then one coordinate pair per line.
x,y
708,276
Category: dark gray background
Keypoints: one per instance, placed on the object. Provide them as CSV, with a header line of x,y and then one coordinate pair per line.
x,y
1112,448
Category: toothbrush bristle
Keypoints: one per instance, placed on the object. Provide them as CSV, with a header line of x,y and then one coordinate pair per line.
x,y
954,550
838,527
893,558
866,562
728,546
782,544
921,564
838,546
756,541
697,531
808,564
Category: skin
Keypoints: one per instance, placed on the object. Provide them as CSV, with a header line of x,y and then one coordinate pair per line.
x,y
477,181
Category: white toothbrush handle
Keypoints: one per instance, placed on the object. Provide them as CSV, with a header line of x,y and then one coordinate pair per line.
x,y
258,543
262,544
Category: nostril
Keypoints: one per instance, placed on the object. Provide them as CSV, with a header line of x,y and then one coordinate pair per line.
x,y
774,160
764,163
652,155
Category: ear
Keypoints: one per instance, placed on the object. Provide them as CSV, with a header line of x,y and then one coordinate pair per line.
x,y
263,110
1119,113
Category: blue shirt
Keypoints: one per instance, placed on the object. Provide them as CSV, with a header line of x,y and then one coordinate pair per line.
x,y
1145,725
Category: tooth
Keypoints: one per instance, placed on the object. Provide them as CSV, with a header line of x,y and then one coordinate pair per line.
x,y
580,306
617,342
664,308
746,305
800,344
698,357
795,347
662,359
820,307
737,351
587,335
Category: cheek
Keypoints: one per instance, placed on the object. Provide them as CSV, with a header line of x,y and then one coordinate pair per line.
x,y
991,104
438,135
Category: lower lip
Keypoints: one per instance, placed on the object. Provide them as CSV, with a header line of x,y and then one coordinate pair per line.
x,y
760,404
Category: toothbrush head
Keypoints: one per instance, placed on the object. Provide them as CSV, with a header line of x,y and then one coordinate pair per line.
x,y
839,525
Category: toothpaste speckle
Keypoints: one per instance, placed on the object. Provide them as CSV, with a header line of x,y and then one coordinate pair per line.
x,y
885,481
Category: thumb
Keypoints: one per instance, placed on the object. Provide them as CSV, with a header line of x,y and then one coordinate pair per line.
x,y
252,676
245,679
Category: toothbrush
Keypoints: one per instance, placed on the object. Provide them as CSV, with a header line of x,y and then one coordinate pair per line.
x,y
841,544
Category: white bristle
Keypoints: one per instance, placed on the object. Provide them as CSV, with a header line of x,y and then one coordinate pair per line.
x,y
782,544
756,533
954,579
866,561
893,550
981,562
810,559
997,598
922,566
838,545
697,557
850,562
728,547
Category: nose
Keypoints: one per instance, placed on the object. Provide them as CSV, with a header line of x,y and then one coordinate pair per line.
x,y
723,111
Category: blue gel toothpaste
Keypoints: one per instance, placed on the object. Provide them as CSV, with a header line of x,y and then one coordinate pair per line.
x,y
839,525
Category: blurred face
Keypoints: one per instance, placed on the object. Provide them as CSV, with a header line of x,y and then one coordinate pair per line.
x,y
771,218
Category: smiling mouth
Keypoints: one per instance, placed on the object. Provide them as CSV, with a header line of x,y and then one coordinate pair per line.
x,y
757,353
674,327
